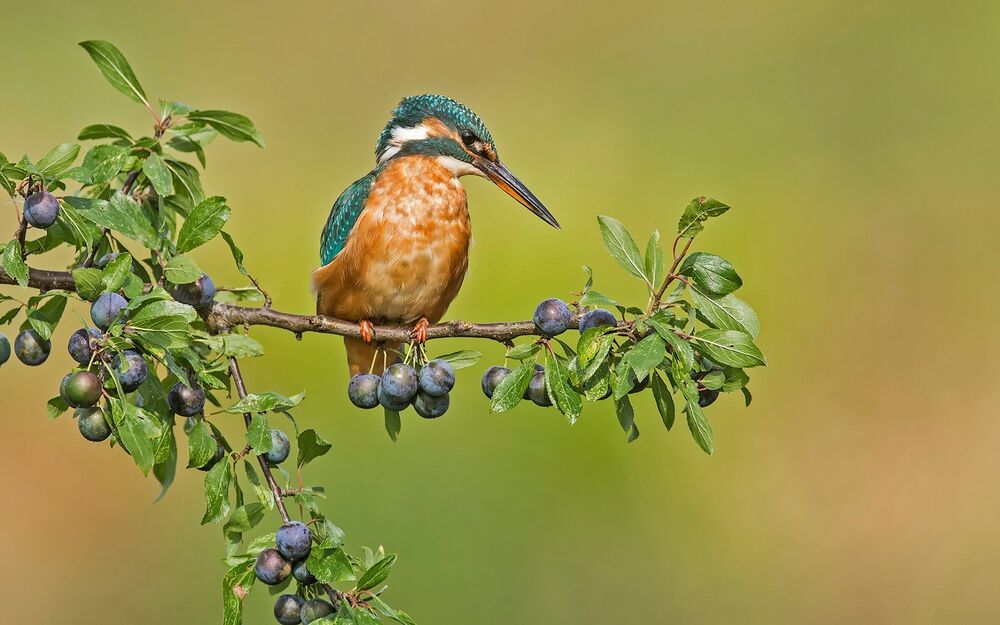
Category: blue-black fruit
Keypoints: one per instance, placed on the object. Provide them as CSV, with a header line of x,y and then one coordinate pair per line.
x,y
294,540
279,448
302,574
431,406
707,397
81,344
287,609
597,318
131,368
93,425
186,401
271,567
199,293
31,349
4,348
363,390
536,389
315,609
399,383
390,403
41,209
81,389
437,378
106,309
492,379
552,317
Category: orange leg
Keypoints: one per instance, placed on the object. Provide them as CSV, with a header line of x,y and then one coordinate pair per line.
x,y
420,331
367,330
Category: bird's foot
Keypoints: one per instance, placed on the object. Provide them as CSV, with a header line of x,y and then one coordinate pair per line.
x,y
367,330
419,334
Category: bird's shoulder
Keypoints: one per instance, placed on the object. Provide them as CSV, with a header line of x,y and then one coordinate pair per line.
x,y
344,215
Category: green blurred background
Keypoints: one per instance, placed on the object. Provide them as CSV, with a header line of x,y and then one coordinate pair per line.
x,y
857,144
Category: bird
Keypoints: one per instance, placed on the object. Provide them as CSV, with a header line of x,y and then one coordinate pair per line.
x,y
395,247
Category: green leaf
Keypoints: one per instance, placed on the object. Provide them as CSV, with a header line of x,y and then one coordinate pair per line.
x,y
103,131
393,424
14,265
115,68
699,426
124,215
377,573
259,434
311,446
203,223
263,493
158,174
729,347
461,359
646,356
55,407
524,351
104,162
262,402
329,566
714,380
559,391
700,209
164,324
735,379
715,275
132,425
593,298
511,390
115,272
202,445
217,485
664,401
58,159
45,318
230,125
236,346
726,313
236,252
165,468
621,246
655,265
181,270
89,283
626,417
235,586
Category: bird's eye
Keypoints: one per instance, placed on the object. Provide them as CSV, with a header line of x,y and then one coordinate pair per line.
x,y
469,138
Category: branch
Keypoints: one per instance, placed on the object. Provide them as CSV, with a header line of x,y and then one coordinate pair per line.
x,y
223,317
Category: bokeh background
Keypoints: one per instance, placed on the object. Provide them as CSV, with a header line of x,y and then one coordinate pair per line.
x,y
857,143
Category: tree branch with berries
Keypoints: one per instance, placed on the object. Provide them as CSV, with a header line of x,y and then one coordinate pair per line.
x,y
165,344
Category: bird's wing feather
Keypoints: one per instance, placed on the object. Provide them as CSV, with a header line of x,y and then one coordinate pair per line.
x,y
343,216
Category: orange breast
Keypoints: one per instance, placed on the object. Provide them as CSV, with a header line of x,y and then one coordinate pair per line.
x,y
407,255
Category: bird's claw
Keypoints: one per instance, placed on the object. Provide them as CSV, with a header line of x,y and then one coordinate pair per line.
x,y
420,331
367,330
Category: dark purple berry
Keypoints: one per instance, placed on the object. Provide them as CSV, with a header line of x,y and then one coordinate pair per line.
x,y
399,383
199,293
315,609
131,369
93,425
81,389
437,378
81,344
4,348
186,401
431,406
552,317
279,448
536,389
707,397
271,567
41,209
31,349
597,318
302,574
106,309
294,540
287,609
492,379
363,390
390,403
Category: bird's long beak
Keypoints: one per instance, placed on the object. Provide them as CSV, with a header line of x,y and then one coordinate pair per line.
x,y
506,180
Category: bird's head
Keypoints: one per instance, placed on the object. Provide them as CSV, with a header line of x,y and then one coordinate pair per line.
x,y
433,125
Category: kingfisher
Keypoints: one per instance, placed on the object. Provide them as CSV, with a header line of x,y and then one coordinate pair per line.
x,y
395,247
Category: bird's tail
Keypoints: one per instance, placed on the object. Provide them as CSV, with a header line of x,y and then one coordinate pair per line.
x,y
361,355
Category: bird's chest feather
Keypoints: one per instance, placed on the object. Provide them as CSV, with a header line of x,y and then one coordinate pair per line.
x,y
409,249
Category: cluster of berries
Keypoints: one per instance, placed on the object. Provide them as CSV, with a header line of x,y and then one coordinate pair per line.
x,y
427,388
293,542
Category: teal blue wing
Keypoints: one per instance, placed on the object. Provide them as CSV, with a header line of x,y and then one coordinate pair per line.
x,y
343,216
